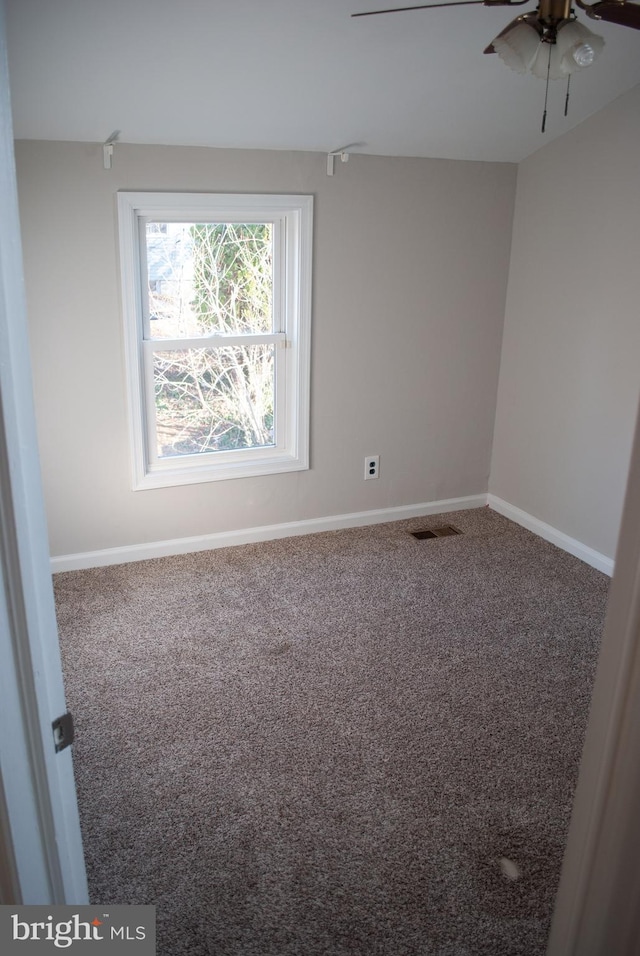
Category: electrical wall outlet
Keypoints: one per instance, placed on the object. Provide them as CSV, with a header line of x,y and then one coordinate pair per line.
x,y
371,467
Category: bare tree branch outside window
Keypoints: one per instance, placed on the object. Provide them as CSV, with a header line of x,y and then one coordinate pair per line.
x,y
203,279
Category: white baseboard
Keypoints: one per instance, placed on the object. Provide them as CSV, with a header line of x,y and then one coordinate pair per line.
x,y
227,539
546,531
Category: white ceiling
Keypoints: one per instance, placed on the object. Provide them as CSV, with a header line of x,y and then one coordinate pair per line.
x,y
292,74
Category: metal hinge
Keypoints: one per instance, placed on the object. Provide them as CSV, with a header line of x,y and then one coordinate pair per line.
x,y
63,731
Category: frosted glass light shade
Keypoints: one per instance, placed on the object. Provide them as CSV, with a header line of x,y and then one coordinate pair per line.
x,y
519,47
541,63
578,47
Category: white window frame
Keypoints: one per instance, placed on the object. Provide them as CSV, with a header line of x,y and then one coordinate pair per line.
x,y
292,220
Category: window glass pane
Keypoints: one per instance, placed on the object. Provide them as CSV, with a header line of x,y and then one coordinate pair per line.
x,y
210,400
209,278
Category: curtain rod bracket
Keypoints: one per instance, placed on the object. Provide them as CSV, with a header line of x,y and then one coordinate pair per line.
x,y
331,159
107,149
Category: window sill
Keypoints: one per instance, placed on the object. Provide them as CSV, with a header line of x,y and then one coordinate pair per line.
x,y
166,477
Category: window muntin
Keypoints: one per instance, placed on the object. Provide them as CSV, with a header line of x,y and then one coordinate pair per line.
x,y
216,293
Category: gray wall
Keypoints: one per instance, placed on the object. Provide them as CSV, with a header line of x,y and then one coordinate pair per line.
x,y
411,261
570,370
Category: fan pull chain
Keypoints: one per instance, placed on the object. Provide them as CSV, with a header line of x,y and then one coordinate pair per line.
x,y
566,101
546,92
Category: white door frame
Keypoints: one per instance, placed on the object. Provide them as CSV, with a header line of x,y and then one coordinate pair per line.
x,y
40,844
598,904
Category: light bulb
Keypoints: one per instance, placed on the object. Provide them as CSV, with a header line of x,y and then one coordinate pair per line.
x,y
584,55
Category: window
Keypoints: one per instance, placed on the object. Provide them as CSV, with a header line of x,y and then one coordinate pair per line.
x,y
217,313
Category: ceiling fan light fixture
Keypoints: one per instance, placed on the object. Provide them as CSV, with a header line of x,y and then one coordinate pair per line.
x,y
518,47
526,48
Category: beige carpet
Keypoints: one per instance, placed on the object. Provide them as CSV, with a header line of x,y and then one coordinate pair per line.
x,y
326,745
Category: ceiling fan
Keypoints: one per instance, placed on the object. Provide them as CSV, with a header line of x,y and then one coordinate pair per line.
x,y
549,42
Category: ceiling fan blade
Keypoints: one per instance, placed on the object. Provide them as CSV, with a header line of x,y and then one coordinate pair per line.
x,y
614,11
424,6
523,18
449,3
